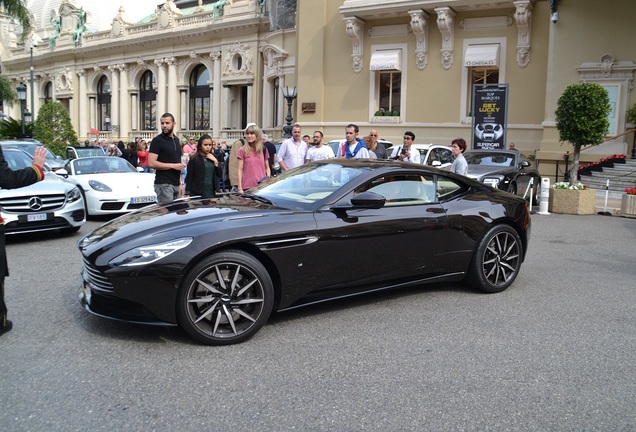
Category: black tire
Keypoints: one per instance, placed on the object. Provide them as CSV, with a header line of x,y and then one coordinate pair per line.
x,y
225,299
497,260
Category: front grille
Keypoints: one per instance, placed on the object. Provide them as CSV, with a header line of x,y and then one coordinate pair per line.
x,y
138,206
95,278
33,204
112,205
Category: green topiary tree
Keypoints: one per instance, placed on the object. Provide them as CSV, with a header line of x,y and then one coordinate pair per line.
x,y
581,118
53,128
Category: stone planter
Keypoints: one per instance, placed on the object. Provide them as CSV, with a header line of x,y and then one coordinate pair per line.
x,y
569,201
628,206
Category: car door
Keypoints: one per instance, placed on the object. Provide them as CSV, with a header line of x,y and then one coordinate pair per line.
x,y
395,242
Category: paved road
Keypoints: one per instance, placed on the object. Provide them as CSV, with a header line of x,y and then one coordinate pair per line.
x,y
557,351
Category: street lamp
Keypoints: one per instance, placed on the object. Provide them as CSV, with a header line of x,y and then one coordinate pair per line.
x,y
289,93
22,98
34,44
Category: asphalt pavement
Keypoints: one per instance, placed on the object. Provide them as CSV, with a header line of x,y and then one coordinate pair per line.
x,y
554,352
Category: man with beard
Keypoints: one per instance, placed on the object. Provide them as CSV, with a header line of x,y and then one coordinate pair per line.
x,y
165,158
319,151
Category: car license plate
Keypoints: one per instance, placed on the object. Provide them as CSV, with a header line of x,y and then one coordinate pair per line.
x,y
142,200
36,217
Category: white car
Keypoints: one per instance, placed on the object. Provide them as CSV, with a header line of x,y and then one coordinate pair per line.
x,y
435,155
51,204
110,185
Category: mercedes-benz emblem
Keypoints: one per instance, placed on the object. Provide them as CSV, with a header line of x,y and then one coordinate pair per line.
x,y
35,203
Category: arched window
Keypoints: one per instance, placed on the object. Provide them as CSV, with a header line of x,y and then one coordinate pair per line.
x,y
103,104
200,98
48,92
148,101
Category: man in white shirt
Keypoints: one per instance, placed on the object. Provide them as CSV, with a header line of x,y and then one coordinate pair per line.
x,y
353,147
319,151
293,150
404,152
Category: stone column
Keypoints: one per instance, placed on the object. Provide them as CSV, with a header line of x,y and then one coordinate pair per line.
x,y
114,101
124,113
134,105
183,114
161,90
83,102
216,94
172,91
226,111
248,109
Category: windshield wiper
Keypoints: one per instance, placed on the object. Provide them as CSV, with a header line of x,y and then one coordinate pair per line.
x,y
256,198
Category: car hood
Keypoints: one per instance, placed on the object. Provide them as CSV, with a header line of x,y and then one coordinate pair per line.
x,y
118,180
179,218
51,184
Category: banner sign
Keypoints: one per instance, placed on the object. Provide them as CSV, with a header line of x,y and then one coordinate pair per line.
x,y
490,116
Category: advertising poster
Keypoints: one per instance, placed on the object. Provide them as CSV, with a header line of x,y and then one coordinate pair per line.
x,y
490,116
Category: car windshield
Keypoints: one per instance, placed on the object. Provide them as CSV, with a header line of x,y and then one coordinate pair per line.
x,y
30,149
490,159
101,165
304,186
89,151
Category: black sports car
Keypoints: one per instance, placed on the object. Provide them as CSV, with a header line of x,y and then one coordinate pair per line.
x,y
219,267
507,170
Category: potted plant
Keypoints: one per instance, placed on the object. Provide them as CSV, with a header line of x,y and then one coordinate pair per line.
x,y
628,203
581,119
570,198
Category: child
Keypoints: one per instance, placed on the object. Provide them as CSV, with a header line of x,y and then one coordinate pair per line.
x,y
203,170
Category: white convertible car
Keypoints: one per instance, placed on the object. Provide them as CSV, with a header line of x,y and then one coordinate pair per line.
x,y
110,185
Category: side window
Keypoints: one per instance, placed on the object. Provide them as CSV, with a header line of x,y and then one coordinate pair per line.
x,y
444,155
407,189
447,188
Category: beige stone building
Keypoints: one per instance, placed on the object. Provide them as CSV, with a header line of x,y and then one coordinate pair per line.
x,y
393,65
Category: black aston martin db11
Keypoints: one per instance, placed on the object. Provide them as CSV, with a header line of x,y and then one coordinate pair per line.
x,y
219,267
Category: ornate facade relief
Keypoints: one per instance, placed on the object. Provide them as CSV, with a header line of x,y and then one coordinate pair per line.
x,y
355,28
64,82
167,14
419,25
523,17
446,25
274,58
238,60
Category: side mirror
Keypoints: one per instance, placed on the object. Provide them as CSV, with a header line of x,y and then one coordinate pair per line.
x,y
525,164
62,173
436,164
364,200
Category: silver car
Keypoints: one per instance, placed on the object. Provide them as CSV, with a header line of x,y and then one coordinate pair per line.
x,y
52,204
29,145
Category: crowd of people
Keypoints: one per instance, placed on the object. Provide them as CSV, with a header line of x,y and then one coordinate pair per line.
x,y
204,167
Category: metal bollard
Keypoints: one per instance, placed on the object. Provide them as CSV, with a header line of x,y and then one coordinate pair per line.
x,y
545,196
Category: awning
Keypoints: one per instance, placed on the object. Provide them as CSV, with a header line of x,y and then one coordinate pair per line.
x,y
482,55
386,60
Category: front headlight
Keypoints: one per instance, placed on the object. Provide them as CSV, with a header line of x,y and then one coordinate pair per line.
x,y
149,254
492,181
73,195
99,186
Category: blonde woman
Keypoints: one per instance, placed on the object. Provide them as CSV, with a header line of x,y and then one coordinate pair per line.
x,y
252,160
372,144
